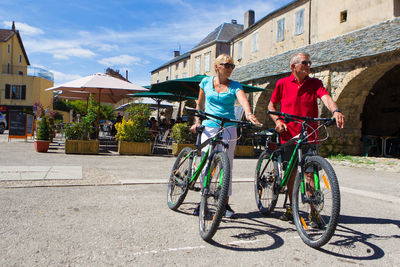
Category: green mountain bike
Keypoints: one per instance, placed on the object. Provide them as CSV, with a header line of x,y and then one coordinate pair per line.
x,y
187,169
316,195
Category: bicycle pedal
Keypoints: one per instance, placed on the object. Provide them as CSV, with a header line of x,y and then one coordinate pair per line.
x,y
197,189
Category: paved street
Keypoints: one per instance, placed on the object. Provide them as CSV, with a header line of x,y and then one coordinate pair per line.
x,y
107,209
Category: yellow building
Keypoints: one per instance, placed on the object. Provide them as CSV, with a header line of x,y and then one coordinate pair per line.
x,y
21,86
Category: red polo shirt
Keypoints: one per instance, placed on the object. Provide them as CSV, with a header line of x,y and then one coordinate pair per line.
x,y
298,99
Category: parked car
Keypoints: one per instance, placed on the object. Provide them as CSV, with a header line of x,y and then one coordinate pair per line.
x,y
3,123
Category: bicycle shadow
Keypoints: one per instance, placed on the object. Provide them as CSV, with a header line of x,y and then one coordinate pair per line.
x,y
346,240
347,243
251,226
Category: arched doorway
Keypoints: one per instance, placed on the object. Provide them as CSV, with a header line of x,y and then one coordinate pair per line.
x,y
381,113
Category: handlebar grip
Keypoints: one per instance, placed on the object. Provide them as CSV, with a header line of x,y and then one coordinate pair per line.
x,y
331,122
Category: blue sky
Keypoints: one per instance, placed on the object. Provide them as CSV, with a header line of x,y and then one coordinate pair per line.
x,y
73,38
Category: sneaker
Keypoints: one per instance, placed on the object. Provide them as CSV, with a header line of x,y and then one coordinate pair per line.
x,y
197,210
287,216
229,213
315,220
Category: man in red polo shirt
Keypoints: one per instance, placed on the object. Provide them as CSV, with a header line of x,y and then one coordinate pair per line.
x,y
297,95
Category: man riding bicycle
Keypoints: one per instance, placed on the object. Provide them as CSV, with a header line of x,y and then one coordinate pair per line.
x,y
297,95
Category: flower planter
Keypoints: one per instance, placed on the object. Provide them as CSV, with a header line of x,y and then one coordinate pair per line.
x,y
244,151
42,145
81,146
134,148
177,147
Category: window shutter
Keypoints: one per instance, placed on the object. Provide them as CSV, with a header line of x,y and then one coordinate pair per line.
x,y
23,91
7,91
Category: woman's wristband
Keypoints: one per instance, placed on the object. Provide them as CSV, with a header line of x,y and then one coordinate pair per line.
x,y
336,110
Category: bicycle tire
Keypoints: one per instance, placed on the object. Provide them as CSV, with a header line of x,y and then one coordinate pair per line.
x,y
323,209
265,187
178,180
214,197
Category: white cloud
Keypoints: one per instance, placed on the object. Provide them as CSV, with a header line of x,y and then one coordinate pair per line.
x,y
24,28
60,77
124,60
59,49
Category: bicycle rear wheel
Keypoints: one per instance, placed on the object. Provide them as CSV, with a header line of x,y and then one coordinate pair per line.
x,y
213,200
265,187
178,180
316,212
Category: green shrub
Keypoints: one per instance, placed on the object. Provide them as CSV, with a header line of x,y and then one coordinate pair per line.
x,y
182,134
134,130
44,130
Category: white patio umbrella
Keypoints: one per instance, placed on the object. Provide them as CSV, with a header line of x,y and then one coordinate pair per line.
x,y
100,84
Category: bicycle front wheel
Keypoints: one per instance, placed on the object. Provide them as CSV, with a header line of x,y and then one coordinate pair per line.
x,y
215,194
265,187
316,202
178,180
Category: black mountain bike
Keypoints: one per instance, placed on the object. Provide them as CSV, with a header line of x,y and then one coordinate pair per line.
x,y
316,195
187,169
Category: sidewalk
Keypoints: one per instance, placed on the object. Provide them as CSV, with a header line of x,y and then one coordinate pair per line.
x,y
21,165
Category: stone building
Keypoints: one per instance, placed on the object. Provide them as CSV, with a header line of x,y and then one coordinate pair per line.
x,y
354,46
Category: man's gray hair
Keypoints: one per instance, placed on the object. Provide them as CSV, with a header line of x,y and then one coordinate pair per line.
x,y
296,57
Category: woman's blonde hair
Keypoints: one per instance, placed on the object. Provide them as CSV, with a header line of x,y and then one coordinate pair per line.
x,y
223,58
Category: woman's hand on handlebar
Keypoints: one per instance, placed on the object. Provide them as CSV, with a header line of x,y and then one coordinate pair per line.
x,y
253,119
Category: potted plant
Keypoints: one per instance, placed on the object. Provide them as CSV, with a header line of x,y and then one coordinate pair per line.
x,y
132,134
42,141
182,137
77,135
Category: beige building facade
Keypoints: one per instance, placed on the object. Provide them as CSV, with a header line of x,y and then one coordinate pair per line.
x,y
20,85
292,26
178,67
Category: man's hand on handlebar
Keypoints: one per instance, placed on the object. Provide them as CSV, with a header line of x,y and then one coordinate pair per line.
x,y
280,126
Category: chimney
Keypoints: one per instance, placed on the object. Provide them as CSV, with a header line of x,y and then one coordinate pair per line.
x,y
248,19
13,26
126,75
177,53
234,21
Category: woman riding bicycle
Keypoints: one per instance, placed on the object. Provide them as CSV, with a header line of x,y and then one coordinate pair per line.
x,y
217,95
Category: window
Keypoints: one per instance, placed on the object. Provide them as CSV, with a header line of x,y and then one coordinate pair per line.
x,y
184,75
8,68
197,65
280,36
20,58
176,66
184,63
240,45
254,47
299,26
9,48
343,16
166,78
176,76
15,91
207,62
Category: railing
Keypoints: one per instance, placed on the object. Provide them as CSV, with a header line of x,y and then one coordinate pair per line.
x,y
26,70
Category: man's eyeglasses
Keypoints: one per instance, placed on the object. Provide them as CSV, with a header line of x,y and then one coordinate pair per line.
x,y
305,62
228,65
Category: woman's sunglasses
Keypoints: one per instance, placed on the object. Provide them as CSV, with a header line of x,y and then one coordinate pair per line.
x,y
228,65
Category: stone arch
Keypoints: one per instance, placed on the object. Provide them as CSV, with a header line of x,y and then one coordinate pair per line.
x,y
350,88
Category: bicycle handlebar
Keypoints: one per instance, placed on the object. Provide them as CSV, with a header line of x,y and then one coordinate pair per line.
x,y
205,115
288,118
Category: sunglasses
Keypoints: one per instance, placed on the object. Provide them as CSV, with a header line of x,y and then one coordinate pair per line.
x,y
305,62
228,65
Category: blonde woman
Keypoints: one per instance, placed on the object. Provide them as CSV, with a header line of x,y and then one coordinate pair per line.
x,y
217,96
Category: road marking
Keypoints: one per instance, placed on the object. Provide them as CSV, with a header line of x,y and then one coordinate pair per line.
x,y
167,250
18,173
363,193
